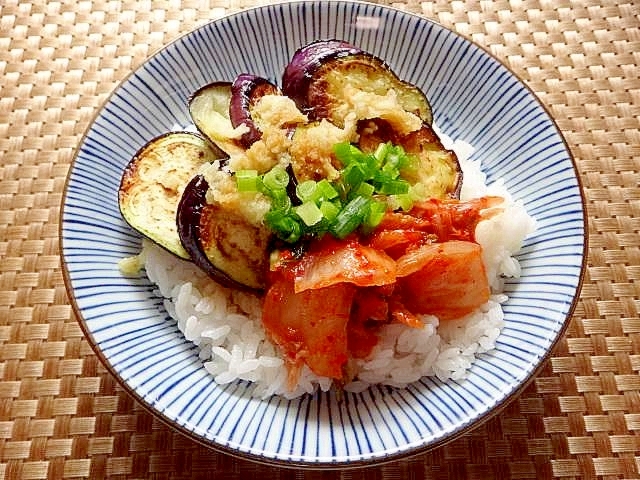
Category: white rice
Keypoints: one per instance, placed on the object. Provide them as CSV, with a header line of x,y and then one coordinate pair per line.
x,y
225,324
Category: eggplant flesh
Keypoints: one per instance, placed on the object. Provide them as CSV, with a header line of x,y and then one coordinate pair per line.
x,y
246,91
321,80
209,110
220,241
327,91
153,182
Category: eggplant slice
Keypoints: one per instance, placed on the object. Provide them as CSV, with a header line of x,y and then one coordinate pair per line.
x,y
220,241
246,91
304,63
154,180
319,84
209,110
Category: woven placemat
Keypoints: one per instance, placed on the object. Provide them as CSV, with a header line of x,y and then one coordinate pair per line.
x,y
62,415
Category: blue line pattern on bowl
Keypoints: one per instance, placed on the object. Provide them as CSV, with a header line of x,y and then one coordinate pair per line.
x,y
474,98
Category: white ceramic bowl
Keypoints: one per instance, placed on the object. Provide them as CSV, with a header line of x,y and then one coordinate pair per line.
x,y
474,98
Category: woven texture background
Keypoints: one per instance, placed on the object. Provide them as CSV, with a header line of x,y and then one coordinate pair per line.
x,y
63,416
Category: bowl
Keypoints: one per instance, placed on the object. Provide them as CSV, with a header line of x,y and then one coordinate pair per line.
x,y
474,98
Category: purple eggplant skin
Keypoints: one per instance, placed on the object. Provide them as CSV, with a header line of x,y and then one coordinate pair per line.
x,y
304,64
188,220
291,187
210,237
317,76
246,90
209,110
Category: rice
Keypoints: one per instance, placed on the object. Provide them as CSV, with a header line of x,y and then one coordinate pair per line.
x,y
225,324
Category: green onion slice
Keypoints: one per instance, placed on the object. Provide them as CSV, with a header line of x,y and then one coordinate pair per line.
x,y
309,213
368,185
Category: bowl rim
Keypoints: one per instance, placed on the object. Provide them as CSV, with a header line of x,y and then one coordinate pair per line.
x,y
372,461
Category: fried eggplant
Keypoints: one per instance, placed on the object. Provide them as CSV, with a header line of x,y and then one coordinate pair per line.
x,y
154,180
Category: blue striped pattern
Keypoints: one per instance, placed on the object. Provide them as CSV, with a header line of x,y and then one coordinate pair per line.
x,y
474,98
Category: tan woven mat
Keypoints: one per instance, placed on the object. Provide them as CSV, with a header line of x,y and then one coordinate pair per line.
x,y
63,416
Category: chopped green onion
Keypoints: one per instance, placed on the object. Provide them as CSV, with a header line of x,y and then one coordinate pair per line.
x,y
350,217
276,179
309,213
393,187
329,210
368,184
375,214
284,226
365,190
394,158
248,180
343,152
388,172
354,174
280,201
402,201
347,153
324,191
306,190
381,152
